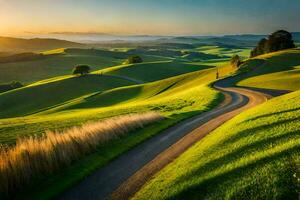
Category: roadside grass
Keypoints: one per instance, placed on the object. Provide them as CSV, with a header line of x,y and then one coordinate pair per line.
x,y
279,70
253,156
36,156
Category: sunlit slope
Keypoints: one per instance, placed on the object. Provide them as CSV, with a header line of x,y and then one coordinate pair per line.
x,y
48,93
153,71
225,51
177,97
148,93
253,156
278,70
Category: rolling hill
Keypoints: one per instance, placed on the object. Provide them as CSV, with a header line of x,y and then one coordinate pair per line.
x,y
49,93
153,71
93,100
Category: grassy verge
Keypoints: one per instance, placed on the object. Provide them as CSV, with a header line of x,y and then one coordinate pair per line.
x,y
253,156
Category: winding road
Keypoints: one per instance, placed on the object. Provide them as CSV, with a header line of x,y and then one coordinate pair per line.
x,y
124,176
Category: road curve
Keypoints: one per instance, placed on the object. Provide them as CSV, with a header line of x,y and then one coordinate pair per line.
x,y
124,176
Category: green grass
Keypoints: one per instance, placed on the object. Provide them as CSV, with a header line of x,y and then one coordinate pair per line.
x,y
278,70
44,95
154,71
253,156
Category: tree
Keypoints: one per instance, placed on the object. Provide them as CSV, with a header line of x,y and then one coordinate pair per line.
x,y
277,41
235,61
133,59
81,69
280,40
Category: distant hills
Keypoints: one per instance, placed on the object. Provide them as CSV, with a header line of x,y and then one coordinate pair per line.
x,y
37,44
10,44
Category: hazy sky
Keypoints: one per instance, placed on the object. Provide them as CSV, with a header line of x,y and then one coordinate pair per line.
x,y
159,17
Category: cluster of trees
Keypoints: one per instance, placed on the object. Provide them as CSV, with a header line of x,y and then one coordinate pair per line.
x,y
278,40
133,59
81,69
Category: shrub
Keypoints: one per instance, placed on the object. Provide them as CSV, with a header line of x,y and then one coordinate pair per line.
x,y
235,61
133,59
81,69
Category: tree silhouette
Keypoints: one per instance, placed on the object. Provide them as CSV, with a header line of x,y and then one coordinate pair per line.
x,y
277,41
81,69
133,59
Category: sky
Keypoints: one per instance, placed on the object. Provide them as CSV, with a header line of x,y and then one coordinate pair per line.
x,y
151,17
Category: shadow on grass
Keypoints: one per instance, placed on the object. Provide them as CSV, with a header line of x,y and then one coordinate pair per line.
x,y
283,188
270,114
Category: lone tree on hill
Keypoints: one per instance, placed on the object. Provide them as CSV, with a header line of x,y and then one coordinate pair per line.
x,y
277,41
81,69
133,59
235,61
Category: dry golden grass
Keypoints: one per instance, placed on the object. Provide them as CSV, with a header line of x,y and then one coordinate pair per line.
x,y
36,156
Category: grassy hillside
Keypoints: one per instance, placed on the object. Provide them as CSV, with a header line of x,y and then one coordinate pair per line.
x,y
153,71
49,93
279,70
253,156
179,97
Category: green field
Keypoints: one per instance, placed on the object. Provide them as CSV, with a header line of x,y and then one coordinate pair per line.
x,y
253,156
278,70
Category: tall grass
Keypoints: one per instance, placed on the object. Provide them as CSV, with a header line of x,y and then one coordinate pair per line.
x,y
34,156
